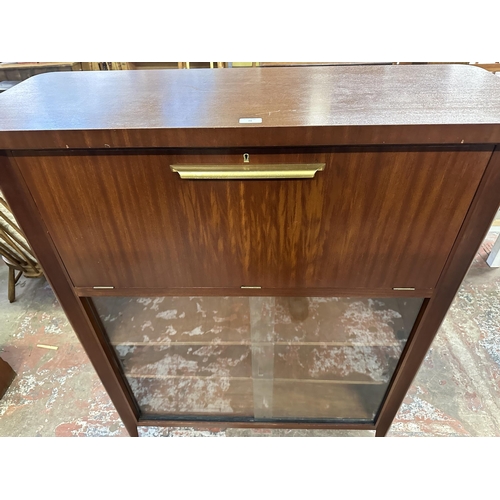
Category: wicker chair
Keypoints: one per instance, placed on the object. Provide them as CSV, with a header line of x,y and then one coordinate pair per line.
x,y
15,250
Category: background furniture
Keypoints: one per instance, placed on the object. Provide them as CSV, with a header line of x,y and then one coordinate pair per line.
x,y
15,250
274,247
19,71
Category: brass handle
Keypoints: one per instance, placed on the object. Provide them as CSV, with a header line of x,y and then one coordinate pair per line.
x,y
282,171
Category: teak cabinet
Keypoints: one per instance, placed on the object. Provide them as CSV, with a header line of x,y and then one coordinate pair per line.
x,y
269,247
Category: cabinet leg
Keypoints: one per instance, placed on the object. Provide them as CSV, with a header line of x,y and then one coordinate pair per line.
x,y
381,431
132,430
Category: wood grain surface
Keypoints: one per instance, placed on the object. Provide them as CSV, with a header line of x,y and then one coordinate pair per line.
x,y
371,219
260,292
301,106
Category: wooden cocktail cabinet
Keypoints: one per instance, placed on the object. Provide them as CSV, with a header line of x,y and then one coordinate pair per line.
x,y
264,247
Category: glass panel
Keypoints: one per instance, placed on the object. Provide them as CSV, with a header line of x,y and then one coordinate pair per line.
x,y
298,358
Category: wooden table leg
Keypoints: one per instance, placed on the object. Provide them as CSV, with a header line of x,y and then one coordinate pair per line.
x,y
7,375
12,285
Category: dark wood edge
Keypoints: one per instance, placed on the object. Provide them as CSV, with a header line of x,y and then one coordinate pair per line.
x,y
473,231
244,292
253,136
251,425
7,375
19,198
215,151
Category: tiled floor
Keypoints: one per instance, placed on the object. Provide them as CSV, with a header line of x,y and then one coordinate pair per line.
x,y
57,393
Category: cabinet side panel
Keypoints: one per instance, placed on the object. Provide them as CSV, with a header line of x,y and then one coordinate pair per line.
x,y
28,217
476,225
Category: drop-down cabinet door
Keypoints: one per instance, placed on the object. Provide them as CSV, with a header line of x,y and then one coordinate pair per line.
x,y
367,219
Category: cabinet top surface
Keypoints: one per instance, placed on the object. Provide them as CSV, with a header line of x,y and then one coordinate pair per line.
x,y
315,97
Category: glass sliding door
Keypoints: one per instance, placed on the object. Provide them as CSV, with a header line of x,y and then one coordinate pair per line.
x,y
258,358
